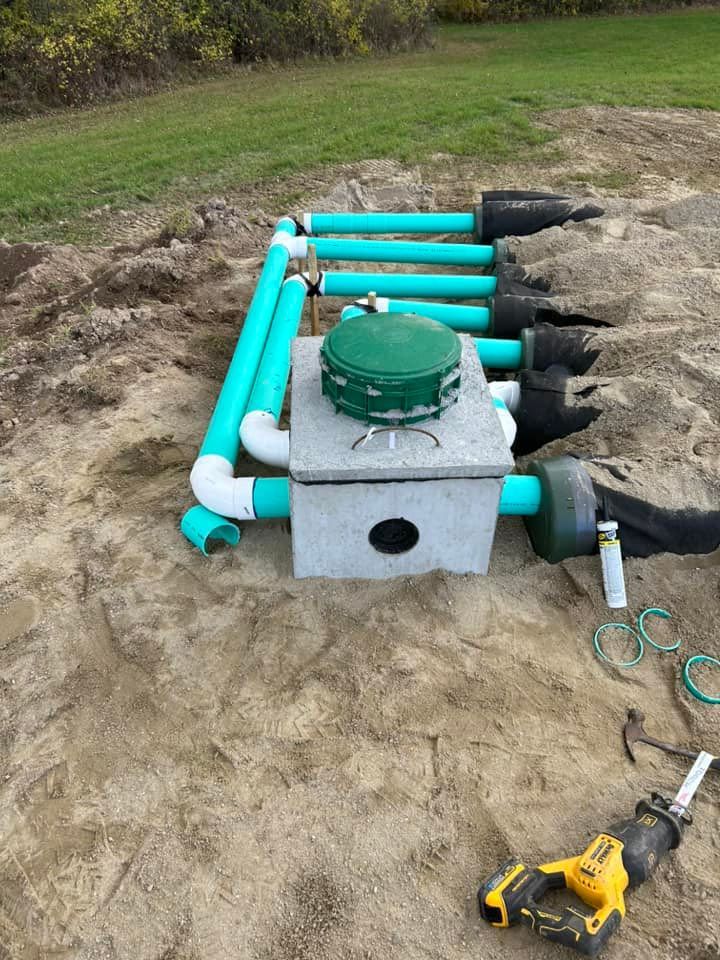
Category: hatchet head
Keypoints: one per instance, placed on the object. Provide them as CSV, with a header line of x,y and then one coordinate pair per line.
x,y
633,731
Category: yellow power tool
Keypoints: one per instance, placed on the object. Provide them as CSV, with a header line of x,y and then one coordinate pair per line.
x,y
622,857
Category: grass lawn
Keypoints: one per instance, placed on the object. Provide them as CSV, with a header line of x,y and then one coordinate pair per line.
x,y
474,93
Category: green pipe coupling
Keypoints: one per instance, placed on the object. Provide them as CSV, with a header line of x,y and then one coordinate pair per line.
x,y
502,252
565,524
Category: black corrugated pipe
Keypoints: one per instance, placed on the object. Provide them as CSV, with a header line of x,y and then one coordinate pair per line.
x,y
550,408
512,313
547,348
510,213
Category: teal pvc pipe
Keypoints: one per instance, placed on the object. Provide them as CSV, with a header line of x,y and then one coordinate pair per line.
x,y
352,311
398,251
391,223
337,284
521,496
454,315
274,370
271,497
500,354
223,436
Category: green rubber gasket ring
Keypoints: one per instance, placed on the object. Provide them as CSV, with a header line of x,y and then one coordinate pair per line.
x,y
664,615
618,663
698,694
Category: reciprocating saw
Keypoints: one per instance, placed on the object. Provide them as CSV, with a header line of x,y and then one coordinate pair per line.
x,y
622,857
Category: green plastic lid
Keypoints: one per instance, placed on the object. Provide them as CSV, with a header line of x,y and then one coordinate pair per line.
x,y
391,368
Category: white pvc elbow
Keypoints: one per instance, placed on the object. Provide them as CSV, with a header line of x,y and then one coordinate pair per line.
x,y
506,398
215,487
507,422
508,391
263,440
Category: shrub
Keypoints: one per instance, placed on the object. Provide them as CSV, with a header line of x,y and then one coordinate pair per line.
x,y
287,29
77,51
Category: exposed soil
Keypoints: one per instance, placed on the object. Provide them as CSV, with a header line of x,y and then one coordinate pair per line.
x,y
205,758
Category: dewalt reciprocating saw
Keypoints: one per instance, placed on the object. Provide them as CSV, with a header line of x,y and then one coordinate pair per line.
x,y
622,857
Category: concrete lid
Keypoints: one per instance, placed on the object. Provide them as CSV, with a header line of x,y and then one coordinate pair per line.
x,y
471,439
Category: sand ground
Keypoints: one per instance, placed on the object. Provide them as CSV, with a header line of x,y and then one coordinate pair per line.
x,y
204,759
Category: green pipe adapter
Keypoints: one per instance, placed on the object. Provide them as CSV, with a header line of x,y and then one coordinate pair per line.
x,y
565,524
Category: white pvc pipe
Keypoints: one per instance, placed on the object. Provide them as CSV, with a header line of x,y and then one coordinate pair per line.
x,y
507,422
508,391
506,399
263,440
215,487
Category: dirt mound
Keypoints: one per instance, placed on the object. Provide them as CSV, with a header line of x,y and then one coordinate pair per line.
x,y
29,272
402,191
644,267
640,262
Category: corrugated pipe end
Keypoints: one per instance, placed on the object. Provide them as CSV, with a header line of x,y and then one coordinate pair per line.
x,y
263,440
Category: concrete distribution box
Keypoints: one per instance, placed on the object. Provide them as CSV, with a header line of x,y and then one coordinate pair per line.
x,y
380,502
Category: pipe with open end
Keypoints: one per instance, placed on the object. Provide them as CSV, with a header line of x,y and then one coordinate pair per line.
x,y
501,213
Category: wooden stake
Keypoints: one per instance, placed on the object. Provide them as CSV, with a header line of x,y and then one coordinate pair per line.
x,y
314,306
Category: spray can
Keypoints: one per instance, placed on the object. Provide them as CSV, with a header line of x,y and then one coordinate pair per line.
x,y
612,566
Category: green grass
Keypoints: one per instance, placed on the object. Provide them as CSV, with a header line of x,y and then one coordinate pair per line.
x,y
473,94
